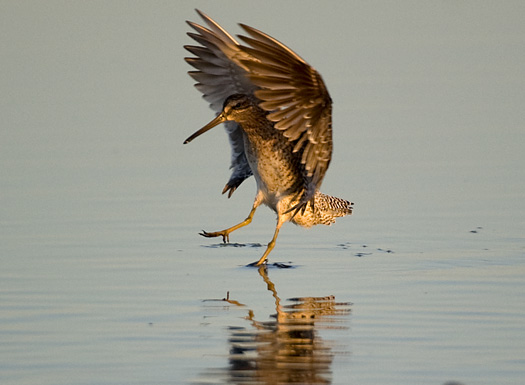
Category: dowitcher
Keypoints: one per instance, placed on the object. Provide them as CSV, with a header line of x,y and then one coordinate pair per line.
x,y
278,116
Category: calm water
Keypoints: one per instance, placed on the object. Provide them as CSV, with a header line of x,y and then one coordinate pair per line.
x,y
103,277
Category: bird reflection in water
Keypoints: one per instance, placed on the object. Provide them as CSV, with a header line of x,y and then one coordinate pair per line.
x,y
287,349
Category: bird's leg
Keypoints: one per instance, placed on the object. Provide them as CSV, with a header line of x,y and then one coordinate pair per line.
x,y
272,242
225,234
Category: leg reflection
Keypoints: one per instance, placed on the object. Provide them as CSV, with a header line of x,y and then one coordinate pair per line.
x,y
288,348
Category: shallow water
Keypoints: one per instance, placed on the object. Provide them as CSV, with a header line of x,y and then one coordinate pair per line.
x,y
104,279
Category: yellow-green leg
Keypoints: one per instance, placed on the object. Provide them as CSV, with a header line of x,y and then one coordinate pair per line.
x,y
225,234
271,244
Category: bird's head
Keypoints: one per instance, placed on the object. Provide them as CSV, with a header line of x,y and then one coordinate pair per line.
x,y
235,107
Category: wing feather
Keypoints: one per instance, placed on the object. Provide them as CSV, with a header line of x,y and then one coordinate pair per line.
x,y
219,74
296,98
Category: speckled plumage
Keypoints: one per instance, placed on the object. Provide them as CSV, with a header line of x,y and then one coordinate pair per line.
x,y
277,112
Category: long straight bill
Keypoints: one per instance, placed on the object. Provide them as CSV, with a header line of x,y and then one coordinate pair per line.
x,y
218,120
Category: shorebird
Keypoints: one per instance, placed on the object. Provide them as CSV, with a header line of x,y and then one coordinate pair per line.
x,y
278,116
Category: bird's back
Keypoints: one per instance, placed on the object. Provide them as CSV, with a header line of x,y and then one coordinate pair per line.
x,y
277,168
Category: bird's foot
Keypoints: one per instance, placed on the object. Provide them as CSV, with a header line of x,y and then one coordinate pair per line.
x,y
265,265
225,234
258,264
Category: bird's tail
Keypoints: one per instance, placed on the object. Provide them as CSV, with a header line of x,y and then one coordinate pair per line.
x,y
327,208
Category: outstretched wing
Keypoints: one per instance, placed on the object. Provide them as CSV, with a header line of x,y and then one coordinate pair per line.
x,y
291,91
296,97
220,74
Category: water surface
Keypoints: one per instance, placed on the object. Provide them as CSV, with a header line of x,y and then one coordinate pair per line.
x,y
104,279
